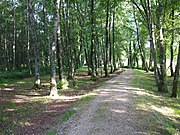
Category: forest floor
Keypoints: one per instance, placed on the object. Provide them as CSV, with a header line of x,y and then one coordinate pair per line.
x,y
121,108
124,103
24,110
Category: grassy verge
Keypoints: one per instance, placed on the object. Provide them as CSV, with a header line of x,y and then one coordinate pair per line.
x,y
165,109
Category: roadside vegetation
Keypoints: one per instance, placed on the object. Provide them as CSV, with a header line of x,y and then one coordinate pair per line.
x,y
165,109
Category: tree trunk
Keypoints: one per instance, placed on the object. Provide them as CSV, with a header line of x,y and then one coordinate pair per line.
x,y
92,39
28,45
143,58
130,62
110,45
113,38
151,40
107,41
14,37
52,51
172,42
176,76
35,43
162,57
59,49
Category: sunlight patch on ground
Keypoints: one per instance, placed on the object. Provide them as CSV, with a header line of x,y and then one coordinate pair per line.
x,y
118,111
64,98
143,92
21,99
111,81
21,82
122,99
24,124
7,89
142,133
164,110
142,106
132,88
9,110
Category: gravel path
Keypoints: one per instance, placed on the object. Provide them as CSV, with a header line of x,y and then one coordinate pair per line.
x,y
112,112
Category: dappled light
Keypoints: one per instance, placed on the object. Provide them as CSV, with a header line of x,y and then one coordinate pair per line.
x,y
6,89
118,111
164,110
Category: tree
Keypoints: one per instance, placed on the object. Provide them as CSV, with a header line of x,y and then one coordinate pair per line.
x,y
147,14
172,41
176,76
107,40
35,43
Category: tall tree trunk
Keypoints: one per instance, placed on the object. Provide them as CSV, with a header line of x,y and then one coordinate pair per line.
x,y
107,41
14,36
28,43
143,58
92,39
110,45
172,42
69,44
162,56
35,43
151,40
176,76
59,49
130,62
113,37
52,52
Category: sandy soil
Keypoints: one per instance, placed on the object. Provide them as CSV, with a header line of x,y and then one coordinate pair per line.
x,y
112,112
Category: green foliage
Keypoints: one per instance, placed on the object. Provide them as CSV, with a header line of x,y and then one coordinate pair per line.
x,y
14,74
63,84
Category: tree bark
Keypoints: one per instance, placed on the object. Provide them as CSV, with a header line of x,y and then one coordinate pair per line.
x,y
151,40
52,51
113,37
162,57
15,64
35,43
130,62
92,39
172,42
143,58
176,76
107,41
59,49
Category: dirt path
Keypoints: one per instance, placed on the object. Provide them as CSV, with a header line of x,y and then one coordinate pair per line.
x,y
112,112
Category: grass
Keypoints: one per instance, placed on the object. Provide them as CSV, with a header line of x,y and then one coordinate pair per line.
x,y
166,109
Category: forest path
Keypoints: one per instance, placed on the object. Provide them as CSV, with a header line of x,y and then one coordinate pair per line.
x,y
112,112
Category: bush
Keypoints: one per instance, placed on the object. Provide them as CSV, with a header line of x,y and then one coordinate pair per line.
x,y
10,75
63,84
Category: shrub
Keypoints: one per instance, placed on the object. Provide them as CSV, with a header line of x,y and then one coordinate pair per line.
x,y
63,84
